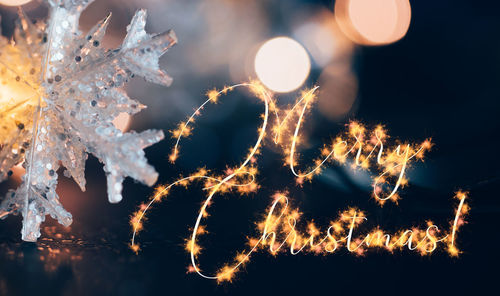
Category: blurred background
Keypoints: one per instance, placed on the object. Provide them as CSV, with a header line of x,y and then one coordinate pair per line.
x,y
421,68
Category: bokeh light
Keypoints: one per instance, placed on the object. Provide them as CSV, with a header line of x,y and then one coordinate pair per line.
x,y
14,2
332,53
282,64
322,37
338,91
373,22
319,41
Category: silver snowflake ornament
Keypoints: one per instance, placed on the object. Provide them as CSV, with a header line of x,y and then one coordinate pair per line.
x,y
59,93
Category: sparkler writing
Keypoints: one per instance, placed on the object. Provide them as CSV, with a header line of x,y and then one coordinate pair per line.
x,y
281,230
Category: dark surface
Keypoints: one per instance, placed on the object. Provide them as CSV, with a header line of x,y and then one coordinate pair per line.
x,y
440,81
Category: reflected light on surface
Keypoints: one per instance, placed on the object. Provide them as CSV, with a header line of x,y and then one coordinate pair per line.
x,y
14,2
282,64
122,121
373,22
17,172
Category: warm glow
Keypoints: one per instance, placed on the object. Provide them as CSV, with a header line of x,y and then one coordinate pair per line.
x,y
19,98
122,121
319,40
373,22
14,2
17,172
282,64
323,39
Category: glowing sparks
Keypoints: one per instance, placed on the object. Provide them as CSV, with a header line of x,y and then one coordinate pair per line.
x,y
281,230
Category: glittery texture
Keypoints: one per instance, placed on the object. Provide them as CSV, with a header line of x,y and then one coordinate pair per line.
x,y
66,91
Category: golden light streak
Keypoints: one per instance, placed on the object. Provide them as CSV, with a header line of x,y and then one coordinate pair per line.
x,y
281,233
281,230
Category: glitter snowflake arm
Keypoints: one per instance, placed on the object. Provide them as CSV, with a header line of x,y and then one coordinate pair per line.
x,y
18,75
82,93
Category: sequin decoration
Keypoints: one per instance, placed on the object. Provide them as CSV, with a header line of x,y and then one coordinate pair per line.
x,y
59,93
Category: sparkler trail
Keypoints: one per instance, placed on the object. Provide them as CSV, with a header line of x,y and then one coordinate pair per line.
x,y
280,229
